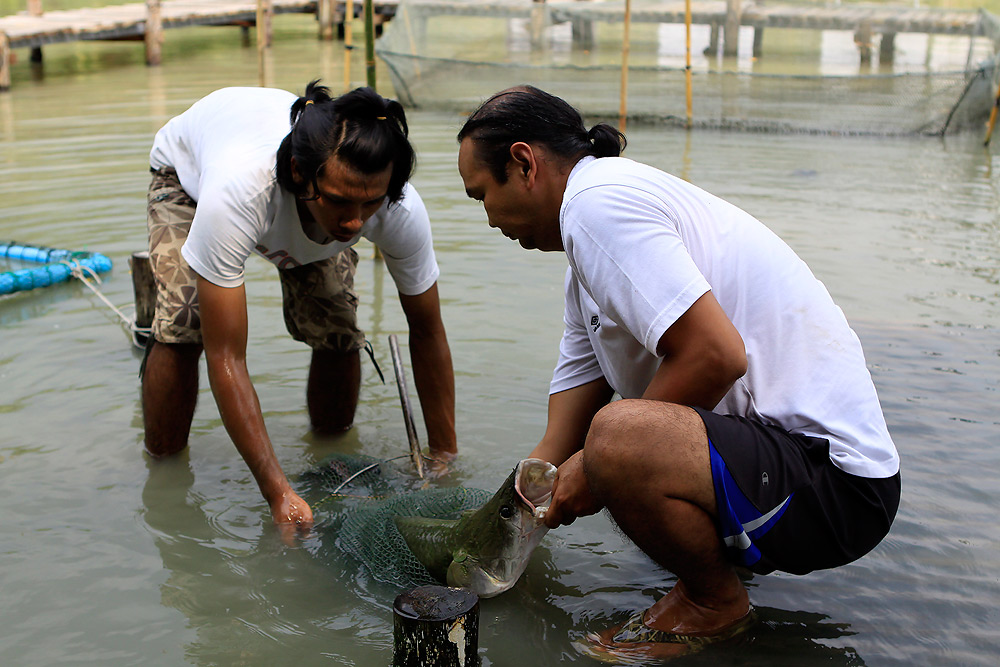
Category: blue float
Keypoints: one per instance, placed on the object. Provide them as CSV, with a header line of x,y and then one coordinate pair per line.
x,y
58,266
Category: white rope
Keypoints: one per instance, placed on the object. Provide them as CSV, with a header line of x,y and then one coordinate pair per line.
x,y
79,271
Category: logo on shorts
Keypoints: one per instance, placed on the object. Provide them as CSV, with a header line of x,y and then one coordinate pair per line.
x,y
763,479
595,322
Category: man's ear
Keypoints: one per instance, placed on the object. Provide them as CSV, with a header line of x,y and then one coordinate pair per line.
x,y
523,161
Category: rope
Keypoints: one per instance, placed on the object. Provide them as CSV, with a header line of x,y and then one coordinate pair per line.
x,y
79,271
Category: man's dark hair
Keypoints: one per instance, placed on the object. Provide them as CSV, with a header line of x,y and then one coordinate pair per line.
x,y
361,127
527,114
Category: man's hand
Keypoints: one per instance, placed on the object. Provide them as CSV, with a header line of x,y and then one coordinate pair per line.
x,y
292,516
571,497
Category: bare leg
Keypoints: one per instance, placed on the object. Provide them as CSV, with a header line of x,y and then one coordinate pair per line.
x,y
332,390
169,395
648,462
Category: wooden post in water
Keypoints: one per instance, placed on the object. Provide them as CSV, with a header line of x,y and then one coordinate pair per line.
x,y
436,626
35,9
154,33
731,35
144,289
264,13
4,62
324,15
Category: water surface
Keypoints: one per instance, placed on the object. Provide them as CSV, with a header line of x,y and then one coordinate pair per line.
x,y
109,558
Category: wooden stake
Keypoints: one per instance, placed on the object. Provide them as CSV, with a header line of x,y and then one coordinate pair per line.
x,y
436,626
404,399
993,117
144,289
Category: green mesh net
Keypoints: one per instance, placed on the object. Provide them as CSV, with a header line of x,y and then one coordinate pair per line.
x,y
453,54
357,497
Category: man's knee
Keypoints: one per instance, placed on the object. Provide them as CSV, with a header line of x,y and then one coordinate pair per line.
x,y
641,443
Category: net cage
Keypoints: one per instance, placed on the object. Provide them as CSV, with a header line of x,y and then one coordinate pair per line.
x,y
852,69
356,499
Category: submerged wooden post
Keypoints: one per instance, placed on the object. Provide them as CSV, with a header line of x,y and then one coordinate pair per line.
x,y
144,289
731,36
35,9
436,626
154,33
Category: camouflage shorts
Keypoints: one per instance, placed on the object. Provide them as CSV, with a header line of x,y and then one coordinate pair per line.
x,y
320,304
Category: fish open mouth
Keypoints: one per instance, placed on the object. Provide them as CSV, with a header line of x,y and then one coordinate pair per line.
x,y
533,481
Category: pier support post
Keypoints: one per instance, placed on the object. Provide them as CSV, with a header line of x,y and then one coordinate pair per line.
x,y
154,33
35,9
144,289
758,41
863,39
731,37
538,22
4,62
436,626
713,40
325,17
887,48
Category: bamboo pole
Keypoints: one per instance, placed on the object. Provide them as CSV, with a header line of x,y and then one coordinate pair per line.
x,y
348,42
404,398
264,11
324,16
626,46
370,43
993,117
687,60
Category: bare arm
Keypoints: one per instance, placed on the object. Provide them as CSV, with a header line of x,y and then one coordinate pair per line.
x,y
570,414
703,356
224,329
432,370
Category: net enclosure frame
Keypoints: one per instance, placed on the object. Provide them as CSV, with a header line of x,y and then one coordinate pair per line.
x,y
453,54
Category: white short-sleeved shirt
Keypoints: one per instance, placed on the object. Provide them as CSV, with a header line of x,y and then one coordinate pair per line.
x,y
643,246
224,150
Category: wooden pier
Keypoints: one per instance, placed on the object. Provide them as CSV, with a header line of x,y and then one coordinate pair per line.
x,y
146,20
33,29
865,21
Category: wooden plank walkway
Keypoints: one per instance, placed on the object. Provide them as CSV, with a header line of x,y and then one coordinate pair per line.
x,y
880,18
129,20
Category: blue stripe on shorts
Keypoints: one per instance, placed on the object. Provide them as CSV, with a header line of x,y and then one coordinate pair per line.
x,y
740,522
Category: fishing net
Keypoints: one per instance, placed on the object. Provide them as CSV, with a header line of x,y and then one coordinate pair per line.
x,y
358,499
453,54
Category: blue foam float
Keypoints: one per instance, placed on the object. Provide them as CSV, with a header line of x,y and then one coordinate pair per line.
x,y
58,266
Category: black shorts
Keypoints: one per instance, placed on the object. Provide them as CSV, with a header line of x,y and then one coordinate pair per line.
x,y
783,504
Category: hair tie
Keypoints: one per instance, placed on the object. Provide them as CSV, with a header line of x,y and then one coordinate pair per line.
x,y
379,117
308,102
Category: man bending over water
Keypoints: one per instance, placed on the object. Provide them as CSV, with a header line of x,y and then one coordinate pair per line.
x,y
298,181
749,433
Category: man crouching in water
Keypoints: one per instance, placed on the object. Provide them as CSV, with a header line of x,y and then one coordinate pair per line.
x,y
750,433
298,180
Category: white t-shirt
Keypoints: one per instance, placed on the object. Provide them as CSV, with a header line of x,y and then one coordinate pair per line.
x,y
643,246
224,150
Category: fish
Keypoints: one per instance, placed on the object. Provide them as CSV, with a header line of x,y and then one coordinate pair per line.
x,y
487,549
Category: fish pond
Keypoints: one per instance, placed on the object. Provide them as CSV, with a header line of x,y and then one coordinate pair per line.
x,y
109,558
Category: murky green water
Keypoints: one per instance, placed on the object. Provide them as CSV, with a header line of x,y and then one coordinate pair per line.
x,y
108,559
